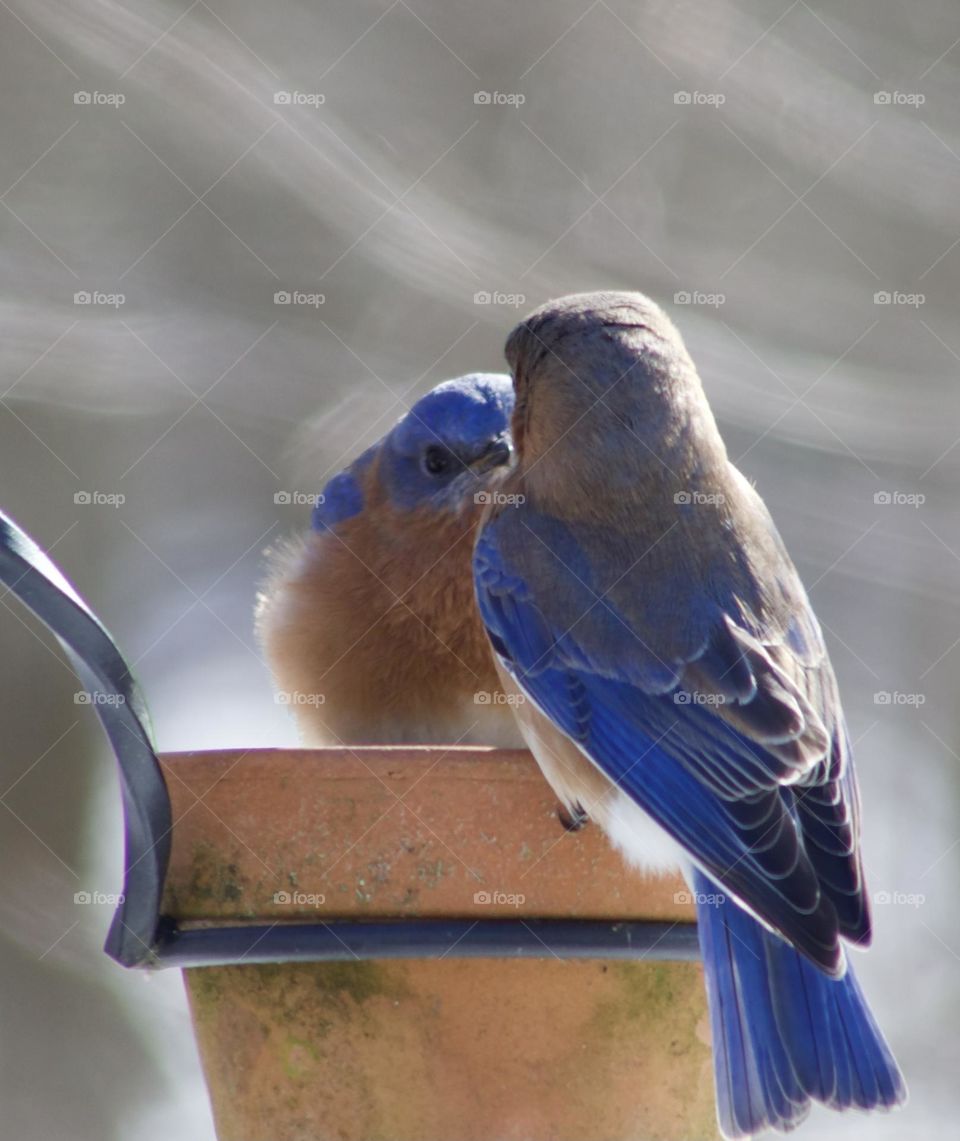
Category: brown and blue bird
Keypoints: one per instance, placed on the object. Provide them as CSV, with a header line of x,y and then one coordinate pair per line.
x,y
368,621
678,690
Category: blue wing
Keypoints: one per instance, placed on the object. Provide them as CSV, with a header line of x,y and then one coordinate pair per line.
x,y
761,801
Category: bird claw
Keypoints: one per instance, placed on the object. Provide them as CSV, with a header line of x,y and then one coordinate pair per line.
x,y
572,819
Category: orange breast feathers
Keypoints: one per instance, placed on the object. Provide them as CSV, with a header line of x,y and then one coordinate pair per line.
x,y
372,633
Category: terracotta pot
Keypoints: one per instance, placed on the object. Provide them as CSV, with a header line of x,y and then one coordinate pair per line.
x,y
425,1049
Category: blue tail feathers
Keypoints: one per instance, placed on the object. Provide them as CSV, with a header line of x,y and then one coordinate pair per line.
x,y
784,1033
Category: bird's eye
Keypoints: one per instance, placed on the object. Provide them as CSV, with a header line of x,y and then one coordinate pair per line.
x,y
437,460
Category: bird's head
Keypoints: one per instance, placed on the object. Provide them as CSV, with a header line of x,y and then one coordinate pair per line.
x,y
605,374
438,456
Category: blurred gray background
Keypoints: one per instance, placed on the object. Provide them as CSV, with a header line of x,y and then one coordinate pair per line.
x,y
783,177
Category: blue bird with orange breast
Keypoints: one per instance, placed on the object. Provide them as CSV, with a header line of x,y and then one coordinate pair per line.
x,y
636,591
368,621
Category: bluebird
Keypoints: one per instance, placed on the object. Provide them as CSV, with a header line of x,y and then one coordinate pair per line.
x,y
636,592
368,621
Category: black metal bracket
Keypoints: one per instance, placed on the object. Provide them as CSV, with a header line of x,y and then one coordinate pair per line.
x,y
345,940
39,584
140,936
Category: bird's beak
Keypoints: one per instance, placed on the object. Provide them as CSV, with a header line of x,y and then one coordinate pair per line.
x,y
498,453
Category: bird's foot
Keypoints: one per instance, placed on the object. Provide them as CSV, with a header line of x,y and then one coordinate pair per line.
x,y
572,819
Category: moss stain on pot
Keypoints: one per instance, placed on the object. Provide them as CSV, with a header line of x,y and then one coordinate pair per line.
x,y
358,1050
431,874
300,1058
361,981
663,1003
213,887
